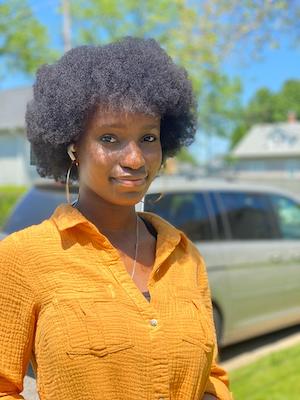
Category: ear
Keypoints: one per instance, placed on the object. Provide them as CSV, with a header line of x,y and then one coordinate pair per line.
x,y
71,151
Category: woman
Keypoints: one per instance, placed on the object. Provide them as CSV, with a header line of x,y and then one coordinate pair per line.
x,y
107,303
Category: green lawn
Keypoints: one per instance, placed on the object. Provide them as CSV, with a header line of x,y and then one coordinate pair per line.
x,y
8,197
274,377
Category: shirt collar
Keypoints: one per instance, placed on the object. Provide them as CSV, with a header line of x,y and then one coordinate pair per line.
x,y
65,216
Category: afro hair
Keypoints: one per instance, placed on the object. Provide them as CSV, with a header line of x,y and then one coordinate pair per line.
x,y
131,75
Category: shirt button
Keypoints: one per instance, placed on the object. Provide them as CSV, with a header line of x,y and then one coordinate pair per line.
x,y
154,322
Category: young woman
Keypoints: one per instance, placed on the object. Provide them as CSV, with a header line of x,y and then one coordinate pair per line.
x,y
108,303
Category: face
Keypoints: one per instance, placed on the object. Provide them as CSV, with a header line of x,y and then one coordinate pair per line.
x,y
119,155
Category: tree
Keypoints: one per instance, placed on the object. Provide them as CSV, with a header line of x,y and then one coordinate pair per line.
x,y
23,39
199,35
268,107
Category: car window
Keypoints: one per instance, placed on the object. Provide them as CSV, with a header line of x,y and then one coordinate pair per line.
x,y
37,205
248,214
186,211
288,216
217,217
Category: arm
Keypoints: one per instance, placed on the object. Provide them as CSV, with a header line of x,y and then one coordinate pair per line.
x,y
217,387
17,321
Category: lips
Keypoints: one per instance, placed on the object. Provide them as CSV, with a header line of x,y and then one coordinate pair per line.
x,y
129,180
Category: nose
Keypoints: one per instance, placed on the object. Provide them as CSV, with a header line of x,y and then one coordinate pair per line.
x,y
132,156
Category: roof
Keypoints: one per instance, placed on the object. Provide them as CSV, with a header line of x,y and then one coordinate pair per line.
x,y
270,140
13,106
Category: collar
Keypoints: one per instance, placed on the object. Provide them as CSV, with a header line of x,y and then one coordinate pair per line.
x,y
65,216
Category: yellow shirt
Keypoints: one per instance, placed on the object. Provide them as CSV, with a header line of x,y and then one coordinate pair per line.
x,y
68,304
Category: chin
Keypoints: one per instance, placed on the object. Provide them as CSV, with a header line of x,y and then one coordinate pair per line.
x,y
125,199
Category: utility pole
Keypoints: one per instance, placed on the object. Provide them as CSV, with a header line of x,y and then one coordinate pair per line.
x,y
67,34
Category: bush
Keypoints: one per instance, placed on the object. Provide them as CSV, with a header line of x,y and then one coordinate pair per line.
x,y
9,195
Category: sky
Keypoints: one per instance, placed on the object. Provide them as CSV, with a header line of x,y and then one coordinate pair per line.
x,y
271,71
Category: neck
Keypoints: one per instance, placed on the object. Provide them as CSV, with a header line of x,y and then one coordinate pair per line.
x,y
110,219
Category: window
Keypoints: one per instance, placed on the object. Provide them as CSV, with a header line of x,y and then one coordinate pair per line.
x,y
248,215
186,211
217,216
288,216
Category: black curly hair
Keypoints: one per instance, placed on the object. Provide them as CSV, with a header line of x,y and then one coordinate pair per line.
x,y
132,75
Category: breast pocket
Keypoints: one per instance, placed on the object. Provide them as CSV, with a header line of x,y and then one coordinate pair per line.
x,y
92,324
195,327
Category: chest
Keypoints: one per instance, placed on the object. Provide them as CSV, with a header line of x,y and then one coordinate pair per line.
x,y
140,269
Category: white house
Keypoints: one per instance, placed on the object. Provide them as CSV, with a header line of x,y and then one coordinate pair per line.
x,y
15,165
271,153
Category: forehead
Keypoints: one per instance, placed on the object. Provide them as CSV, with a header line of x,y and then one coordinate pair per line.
x,y
121,119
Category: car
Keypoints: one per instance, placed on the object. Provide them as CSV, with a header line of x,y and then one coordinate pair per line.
x,y
249,236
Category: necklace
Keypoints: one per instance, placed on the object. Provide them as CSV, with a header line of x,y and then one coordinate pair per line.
x,y
74,204
136,246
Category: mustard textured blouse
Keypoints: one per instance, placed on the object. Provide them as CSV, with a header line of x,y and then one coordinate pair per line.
x,y
68,304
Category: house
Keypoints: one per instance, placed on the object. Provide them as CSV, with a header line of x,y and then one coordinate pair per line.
x,y
15,165
270,153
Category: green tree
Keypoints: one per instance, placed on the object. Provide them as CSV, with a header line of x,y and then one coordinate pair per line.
x,y
198,35
23,39
268,107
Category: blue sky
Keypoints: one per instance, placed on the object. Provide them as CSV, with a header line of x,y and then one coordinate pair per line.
x,y
271,71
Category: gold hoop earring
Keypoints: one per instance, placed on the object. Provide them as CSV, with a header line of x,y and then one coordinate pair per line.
x,y
74,162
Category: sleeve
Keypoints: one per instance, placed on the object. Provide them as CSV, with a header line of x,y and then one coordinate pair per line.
x,y
17,321
218,383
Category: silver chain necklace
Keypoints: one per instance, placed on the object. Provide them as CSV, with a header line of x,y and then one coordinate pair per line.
x,y
136,245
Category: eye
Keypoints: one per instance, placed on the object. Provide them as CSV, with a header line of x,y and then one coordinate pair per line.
x,y
149,138
108,139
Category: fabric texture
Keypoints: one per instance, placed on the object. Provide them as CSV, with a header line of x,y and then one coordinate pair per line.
x,y
68,304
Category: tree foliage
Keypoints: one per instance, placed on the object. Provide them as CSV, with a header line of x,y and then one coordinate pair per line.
x,y
23,39
267,107
198,34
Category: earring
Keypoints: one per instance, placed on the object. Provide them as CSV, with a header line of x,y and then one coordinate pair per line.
x,y
70,151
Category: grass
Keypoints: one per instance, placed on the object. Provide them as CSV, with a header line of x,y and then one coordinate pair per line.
x,y
274,377
8,198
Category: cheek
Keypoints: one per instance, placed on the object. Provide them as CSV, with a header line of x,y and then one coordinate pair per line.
x,y
95,163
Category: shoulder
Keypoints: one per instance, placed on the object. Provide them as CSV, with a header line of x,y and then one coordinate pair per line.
x,y
27,241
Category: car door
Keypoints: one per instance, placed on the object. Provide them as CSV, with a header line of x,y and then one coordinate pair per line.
x,y
250,256
287,254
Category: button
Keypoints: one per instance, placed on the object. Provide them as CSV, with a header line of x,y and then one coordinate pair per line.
x,y
153,322
161,398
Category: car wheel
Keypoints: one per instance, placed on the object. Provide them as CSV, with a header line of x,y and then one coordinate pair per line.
x,y
218,323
